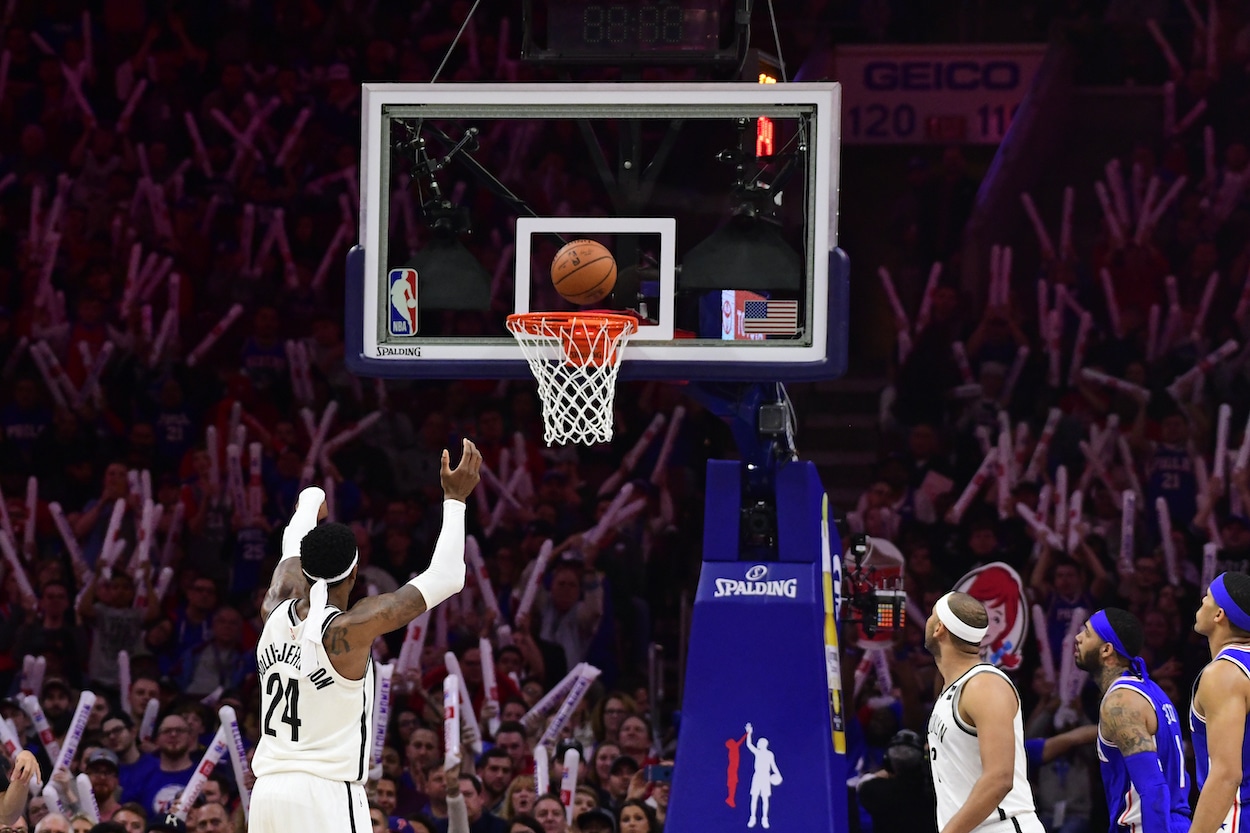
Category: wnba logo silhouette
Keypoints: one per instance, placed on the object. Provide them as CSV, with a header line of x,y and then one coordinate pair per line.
x,y
764,775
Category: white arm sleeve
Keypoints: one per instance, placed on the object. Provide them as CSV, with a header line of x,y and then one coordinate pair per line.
x,y
302,522
457,814
445,576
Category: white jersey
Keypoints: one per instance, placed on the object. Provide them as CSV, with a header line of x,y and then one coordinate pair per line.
x,y
320,724
956,756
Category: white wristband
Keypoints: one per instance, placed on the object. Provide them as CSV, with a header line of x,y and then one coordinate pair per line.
x,y
445,576
302,522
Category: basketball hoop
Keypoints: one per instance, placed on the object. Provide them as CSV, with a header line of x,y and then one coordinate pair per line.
x,y
575,357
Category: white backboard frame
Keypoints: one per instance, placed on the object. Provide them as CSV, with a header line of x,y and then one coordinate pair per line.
x,y
665,227
649,100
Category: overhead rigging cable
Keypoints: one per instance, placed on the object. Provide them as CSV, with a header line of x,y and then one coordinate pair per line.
x,y
465,25
781,61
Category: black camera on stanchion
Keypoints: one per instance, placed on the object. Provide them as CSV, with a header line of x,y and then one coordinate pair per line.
x,y
758,528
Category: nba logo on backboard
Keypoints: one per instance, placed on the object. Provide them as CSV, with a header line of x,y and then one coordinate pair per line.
x,y
403,285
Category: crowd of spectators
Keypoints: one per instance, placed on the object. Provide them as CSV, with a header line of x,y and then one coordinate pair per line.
x,y
156,132
1148,300
121,415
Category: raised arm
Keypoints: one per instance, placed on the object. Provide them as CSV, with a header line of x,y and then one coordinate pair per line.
x,y
13,800
989,703
1126,720
1038,582
86,604
350,637
1222,693
288,580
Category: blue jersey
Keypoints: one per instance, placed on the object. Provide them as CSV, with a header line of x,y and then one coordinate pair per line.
x,y
1123,800
1170,475
1238,655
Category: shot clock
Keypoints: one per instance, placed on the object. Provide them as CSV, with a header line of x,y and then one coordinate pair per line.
x,y
625,31
587,26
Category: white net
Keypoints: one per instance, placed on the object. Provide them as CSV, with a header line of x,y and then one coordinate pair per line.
x,y
575,358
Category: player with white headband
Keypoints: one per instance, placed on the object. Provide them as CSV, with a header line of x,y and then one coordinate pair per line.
x,y
315,665
976,733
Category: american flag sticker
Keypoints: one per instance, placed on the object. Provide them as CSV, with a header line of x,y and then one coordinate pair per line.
x,y
776,318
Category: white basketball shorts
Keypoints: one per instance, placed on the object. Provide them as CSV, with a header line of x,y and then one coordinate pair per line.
x,y
293,802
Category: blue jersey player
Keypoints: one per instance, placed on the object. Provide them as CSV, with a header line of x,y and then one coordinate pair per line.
x,y
1139,732
1170,469
1217,714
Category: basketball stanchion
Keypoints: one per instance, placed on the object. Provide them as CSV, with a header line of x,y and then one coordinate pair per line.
x,y
575,357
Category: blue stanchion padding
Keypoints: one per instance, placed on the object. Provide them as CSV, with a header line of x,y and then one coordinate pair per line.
x,y
756,657
799,495
722,510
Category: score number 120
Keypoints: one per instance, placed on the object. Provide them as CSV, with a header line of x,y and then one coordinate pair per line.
x,y
900,122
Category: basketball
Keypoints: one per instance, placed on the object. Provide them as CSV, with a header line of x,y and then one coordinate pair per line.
x,y
583,272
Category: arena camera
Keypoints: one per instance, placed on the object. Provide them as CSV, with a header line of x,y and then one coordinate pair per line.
x,y
758,527
774,419
873,602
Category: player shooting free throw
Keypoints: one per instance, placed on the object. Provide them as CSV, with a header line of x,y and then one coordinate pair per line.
x,y
315,663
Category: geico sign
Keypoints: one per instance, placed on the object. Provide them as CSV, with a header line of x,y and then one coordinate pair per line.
x,y
787,588
940,75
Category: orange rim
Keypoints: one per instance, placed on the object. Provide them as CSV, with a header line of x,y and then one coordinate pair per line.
x,y
579,332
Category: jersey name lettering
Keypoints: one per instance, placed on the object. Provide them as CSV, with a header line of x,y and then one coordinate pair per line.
x,y
288,654
937,726
320,678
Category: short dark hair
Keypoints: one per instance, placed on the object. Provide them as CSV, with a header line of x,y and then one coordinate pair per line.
x,y
428,822
472,779
574,567
493,752
511,726
1127,627
1065,561
1238,587
127,720
970,611
326,550
225,782
109,827
514,699
529,822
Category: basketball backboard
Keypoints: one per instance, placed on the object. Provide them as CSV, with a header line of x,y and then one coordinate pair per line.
x,y
718,201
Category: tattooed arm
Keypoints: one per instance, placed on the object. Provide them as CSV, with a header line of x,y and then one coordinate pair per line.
x,y
1127,721
349,639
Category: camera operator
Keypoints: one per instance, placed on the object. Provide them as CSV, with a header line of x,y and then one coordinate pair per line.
x,y
900,797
